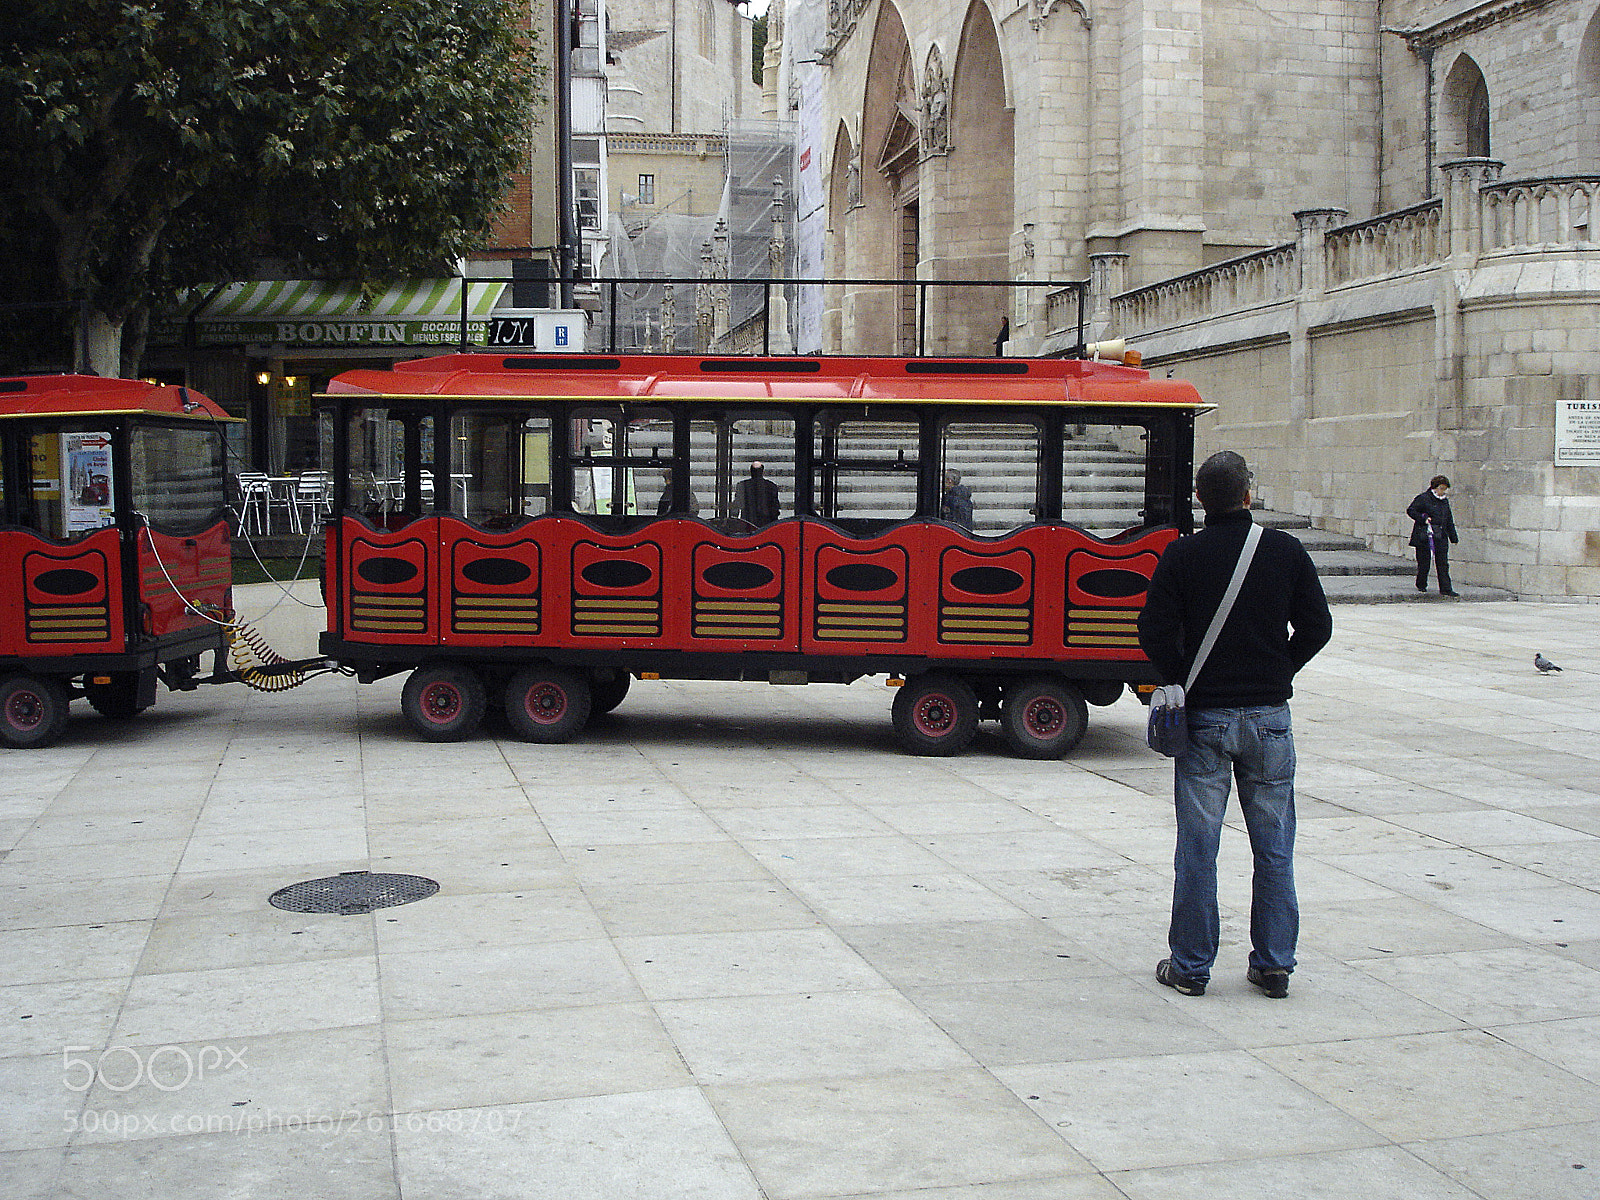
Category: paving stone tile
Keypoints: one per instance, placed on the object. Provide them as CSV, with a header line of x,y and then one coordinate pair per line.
x,y
1555,1163
529,1055
887,1133
333,1158
1495,987
666,1145
1376,1173
1210,1107
1438,1085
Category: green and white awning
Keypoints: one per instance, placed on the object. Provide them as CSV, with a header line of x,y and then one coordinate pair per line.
x,y
310,312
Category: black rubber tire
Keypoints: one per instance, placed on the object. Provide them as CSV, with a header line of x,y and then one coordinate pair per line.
x,y
1101,692
1043,718
935,715
444,702
548,704
118,699
33,711
603,697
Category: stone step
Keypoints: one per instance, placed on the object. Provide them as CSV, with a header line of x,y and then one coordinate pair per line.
x,y
1353,574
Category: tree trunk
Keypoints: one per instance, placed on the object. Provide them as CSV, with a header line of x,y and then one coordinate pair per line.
x,y
102,344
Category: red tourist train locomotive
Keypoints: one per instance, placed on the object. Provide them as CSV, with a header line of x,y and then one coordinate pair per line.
x,y
114,546
538,531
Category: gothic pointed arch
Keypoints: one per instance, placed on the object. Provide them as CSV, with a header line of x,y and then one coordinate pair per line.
x,y
1587,78
844,196
884,241
1464,112
979,187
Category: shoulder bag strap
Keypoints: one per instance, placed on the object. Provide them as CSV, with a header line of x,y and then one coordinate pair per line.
x,y
1246,553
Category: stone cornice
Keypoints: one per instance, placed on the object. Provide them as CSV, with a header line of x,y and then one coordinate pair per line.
x,y
1466,20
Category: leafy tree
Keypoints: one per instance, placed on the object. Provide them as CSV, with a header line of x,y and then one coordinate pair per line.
x,y
147,145
758,46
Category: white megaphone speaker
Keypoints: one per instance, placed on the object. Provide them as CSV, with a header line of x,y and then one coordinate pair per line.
x,y
1111,351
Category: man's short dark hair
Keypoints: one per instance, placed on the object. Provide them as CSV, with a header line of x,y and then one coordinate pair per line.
x,y
1222,482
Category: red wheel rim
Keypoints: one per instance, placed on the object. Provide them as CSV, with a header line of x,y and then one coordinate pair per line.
x,y
441,702
25,710
1043,717
545,703
934,715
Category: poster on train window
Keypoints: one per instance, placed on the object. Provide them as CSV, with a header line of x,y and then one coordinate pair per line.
x,y
86,496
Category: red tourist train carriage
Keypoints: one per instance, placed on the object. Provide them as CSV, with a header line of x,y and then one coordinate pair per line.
x,y
537,531
113,535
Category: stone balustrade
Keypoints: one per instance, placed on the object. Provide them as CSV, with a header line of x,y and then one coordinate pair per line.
x,y
1263,277
1477,214
1557,211
1391,244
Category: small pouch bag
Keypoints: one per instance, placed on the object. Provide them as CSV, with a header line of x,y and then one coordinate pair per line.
x,y
1168,729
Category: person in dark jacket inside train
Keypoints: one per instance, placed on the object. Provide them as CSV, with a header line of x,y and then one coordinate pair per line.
x,y
1432,531
1238,715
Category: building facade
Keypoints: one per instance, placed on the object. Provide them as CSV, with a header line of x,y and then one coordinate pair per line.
x,y
1364,228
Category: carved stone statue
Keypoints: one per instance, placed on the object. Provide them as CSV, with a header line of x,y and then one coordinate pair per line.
x,y
935,106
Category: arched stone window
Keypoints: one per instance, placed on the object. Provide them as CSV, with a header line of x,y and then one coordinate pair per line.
x,y
1464,112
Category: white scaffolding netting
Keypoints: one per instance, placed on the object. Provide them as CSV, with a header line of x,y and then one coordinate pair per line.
x,y
750,237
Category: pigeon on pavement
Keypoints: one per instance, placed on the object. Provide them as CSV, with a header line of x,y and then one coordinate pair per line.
x,y
1544,664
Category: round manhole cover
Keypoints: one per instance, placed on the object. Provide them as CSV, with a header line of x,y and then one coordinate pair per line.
x,y
352,892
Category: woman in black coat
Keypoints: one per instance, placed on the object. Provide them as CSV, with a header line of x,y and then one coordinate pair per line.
x,y
1432,532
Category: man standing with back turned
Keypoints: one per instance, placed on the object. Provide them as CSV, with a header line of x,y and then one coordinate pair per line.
x,y
1238,721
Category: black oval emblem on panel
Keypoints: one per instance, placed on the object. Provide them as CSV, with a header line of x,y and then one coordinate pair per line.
x,y
986,581
1113,583
383,571
738,576
496,572
616,573
862,577
66,581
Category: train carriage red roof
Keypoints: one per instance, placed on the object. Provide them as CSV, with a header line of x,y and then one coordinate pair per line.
x,y
92,395
877,380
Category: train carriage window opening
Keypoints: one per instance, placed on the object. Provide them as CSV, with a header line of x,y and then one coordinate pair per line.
x,y
617,458
391,452
726,446
485,466
62,478
999,464
1105,478
865,470
176,476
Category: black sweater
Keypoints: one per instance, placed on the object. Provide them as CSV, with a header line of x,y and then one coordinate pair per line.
x,y
1255,656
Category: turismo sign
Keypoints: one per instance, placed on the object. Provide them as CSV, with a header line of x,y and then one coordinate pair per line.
x,y
1577,433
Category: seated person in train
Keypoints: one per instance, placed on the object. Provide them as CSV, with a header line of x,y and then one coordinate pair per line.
x,y
665,504
956,507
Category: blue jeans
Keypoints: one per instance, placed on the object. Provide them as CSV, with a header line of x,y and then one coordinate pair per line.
x,y
1254,746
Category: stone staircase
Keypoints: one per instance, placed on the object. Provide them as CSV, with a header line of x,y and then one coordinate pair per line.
x,y
1353,574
